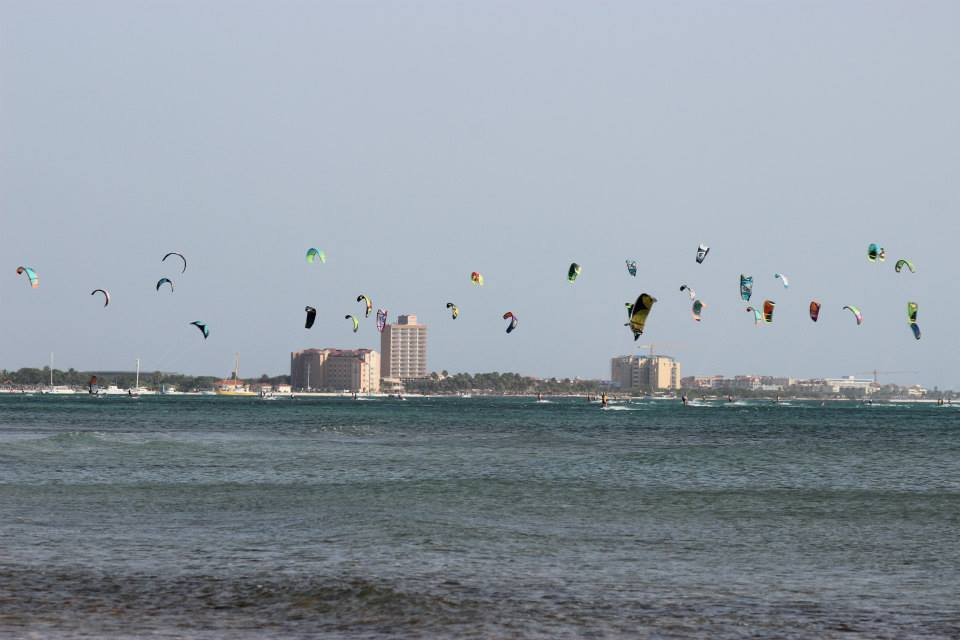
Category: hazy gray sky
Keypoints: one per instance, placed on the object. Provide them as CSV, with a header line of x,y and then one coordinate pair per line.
x,y
416,142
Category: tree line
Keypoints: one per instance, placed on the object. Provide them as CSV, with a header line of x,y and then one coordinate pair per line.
x,y
496,382
31,376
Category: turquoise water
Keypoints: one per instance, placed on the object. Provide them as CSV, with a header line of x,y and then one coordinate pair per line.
x,y
492,518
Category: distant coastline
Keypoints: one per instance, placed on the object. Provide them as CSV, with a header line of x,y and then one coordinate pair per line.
x,y
756,400
444,384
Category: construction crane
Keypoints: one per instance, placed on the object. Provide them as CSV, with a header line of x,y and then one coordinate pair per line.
x,y
658,344
876,373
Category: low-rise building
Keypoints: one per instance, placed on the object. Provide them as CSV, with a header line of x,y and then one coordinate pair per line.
x,y
335,370
698,382
916,391
865,385
751,383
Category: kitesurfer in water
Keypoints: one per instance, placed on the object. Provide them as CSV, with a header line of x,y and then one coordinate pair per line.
x,y
683,398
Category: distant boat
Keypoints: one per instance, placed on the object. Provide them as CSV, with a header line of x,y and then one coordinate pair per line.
x,y
135,392
235,387
56,389
238,390
111,390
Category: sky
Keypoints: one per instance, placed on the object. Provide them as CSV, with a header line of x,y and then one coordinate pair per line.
x,y
417,142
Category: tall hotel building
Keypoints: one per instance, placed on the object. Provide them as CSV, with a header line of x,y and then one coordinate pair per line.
x,y
645,374
404,349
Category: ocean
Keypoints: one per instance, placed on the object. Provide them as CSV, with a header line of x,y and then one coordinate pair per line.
x,y
188,517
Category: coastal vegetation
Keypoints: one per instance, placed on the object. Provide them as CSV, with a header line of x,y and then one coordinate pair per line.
x,y
507,383
36,377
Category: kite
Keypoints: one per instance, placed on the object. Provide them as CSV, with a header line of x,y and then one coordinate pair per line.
x,y
768,306
702,252
31,275
454,310
573,272
912,317
311,316
786,283
912,311
314,255
632,267
476,278
904,263
203,328
513,321
756,316
814,310
168,281
362,297
179,255
697,308
356,323
381,319
746,287
639,311
106,295
690,292
875,253
856,313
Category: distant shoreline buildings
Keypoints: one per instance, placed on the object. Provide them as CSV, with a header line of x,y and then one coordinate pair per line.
x,y
404,357
848,385
648,374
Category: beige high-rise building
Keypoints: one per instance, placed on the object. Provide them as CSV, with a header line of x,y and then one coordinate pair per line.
x,y
404,349
645,374
335,370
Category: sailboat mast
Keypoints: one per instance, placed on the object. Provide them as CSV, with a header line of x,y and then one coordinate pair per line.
x,y
51,368
138,374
